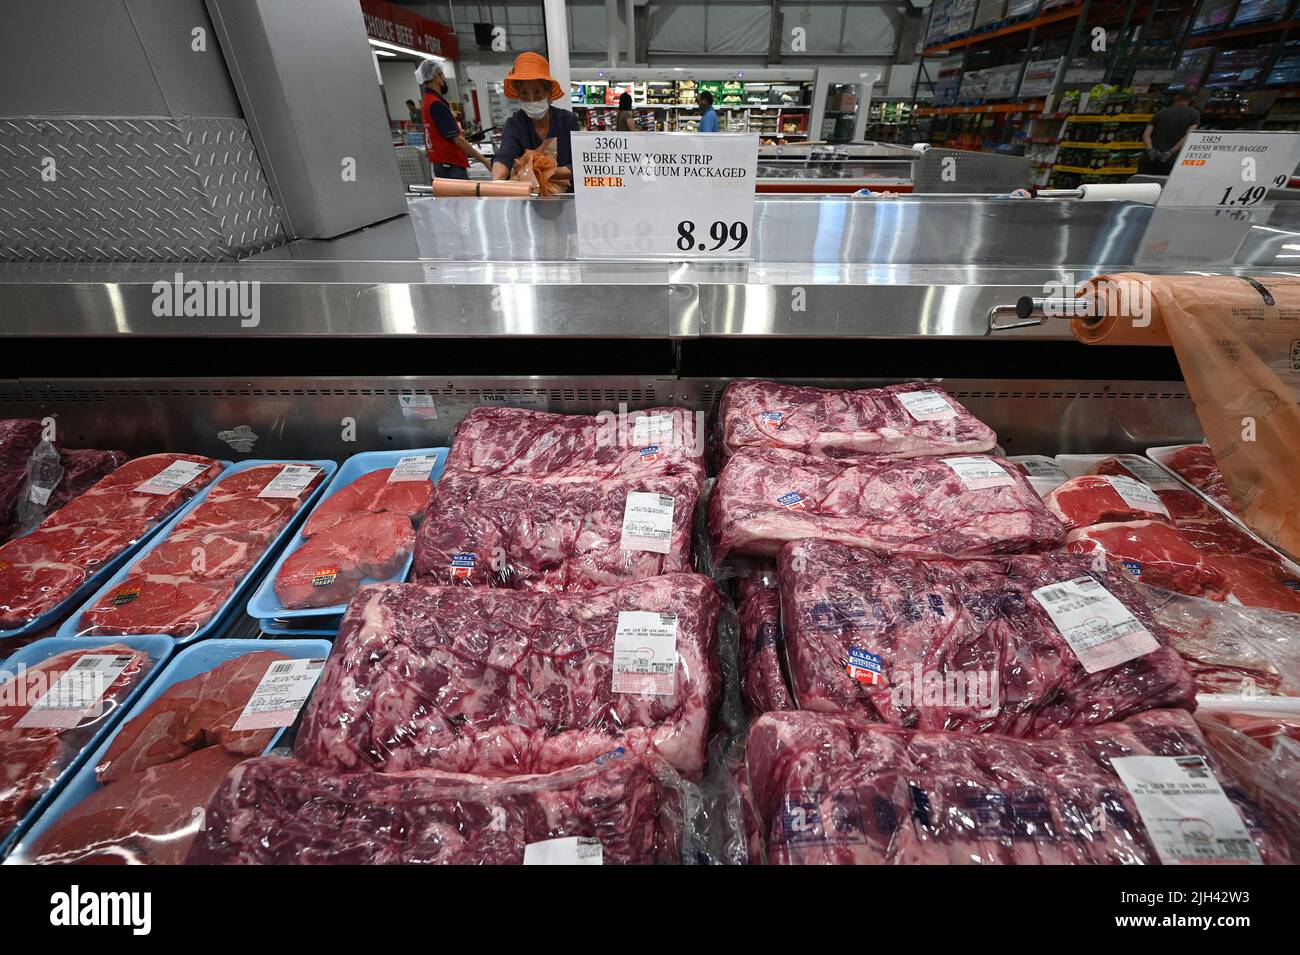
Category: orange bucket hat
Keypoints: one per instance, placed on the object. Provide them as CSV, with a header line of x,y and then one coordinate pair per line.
x,y
531,66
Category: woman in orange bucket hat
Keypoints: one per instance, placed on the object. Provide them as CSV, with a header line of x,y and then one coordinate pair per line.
x,y
530,82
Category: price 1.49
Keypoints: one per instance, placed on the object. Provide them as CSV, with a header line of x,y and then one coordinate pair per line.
x,y
720,233
1251,195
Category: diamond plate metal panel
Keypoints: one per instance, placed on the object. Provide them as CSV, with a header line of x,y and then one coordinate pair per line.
x,y
968,172
132,190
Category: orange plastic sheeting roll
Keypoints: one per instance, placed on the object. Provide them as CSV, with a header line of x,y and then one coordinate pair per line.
x,y
1238,342
451,188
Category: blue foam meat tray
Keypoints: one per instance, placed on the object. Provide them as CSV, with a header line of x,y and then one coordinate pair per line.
x,y
77,596
159,649
265,605
189,662
72,626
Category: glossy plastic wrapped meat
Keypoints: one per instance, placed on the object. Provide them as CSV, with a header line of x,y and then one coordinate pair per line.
x,y
474,679
372,493
1090,499
947,506
1196,464
1258,583
840,789
44,568
32,757
516,442
1154,552
969,645
146,818
555,536
1181,502
898,421
276,811
19,437
327,570
83,468
762,675
223,538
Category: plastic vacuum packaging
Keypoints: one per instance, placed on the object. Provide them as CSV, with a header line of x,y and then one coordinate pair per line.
x,y
1243,651
495,681
160,770
178,586
1197,466
49,712
619,809
517,442
546,535
953,506
56,476
841,789
42,569
1104,499
763,682
898,421
19,437
1028,645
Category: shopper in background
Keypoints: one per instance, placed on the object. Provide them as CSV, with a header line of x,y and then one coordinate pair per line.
x,y
626,122
1166,133
448,149
708,115
413,112
529,81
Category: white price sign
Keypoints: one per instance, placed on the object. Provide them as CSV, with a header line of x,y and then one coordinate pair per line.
x,y
1230,170
665,195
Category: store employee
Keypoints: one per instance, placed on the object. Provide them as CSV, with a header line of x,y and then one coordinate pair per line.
x,y
448,150
708,115
530,82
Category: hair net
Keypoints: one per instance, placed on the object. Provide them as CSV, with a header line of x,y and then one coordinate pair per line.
x,y
427,70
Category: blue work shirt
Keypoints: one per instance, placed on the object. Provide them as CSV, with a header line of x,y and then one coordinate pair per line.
x,y
709,121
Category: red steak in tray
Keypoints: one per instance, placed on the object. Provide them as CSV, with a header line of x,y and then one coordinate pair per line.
x,y
374,493
328,568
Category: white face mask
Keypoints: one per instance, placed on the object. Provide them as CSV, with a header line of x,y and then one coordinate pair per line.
x,y
536,110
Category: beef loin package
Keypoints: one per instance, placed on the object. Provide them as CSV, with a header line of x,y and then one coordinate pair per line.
x,y
494,681
953,506
179,585
544,535
277,811
19,437
42,569
763,682
516,442
1024,645
840,789
1196,465
898,421
38,740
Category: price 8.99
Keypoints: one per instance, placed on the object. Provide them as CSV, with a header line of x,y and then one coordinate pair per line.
x,y
719,232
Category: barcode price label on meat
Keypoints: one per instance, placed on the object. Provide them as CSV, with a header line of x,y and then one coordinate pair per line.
x,y
1099,629
979,473
1150,474
645,653
415,467
39,495
172,478
665,195
1187,816
1044,475
926,405
291,481
573,850
76,694
1136,494
648,522
279,696
652,427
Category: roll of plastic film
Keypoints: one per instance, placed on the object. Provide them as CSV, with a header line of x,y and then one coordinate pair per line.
x,y
1132,191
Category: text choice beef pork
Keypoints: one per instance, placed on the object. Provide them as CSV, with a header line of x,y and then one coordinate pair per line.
x,y
970,645
899,421
565,535
840,789
276,811
470,679
948,506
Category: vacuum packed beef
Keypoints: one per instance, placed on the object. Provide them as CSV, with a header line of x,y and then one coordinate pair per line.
x,y
483,680
278,811
899,421
840,789
543,535
516,442
948,506
82,469
762,678
1196,465
36,748
18,439
42,569
375,492
179,586
161,769
1092,499
1024,646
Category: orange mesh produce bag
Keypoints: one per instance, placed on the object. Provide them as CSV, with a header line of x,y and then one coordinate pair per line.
x,y
536,167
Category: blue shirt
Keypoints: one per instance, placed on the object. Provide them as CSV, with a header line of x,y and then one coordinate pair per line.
x,y
520,134
709,121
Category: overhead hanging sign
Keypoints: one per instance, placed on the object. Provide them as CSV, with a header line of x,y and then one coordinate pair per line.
x,y
403,27
1219,170
665,195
